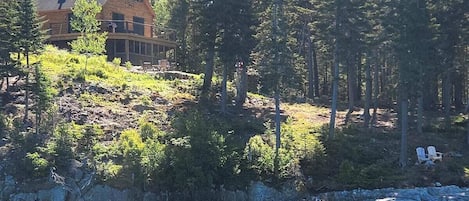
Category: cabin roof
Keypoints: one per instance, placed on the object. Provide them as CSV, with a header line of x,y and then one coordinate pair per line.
x,y
49,5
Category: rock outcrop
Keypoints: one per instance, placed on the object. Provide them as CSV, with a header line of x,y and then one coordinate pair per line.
x,y
257,191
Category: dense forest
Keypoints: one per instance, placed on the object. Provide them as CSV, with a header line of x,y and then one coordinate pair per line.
x,y
407,55
274,95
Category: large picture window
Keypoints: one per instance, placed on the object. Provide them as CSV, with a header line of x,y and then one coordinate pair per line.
x,y
118,19
139,27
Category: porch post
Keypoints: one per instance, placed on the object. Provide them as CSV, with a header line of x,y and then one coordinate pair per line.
x,y
127,56
151,53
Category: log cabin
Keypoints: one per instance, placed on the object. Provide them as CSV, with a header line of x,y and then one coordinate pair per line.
x,y
132,35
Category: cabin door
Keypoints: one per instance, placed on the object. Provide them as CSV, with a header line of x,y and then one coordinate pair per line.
x,y
119,20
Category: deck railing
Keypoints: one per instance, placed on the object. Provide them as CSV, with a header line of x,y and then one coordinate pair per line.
x,y
119,26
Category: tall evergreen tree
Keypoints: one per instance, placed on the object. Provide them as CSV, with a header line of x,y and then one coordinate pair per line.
x,y
335,75
235,42
8,37
43,92
30,40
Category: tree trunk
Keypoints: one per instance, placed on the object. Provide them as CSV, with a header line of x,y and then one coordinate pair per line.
x,y
8,84
376,92
358,91
458,91
241,87
366,112
277,130
404,125
420,114
26,91
310,66
467,127
36,73
447,97
335,73
430,92
335,88
208,71
316,71
325,84
351,83
223,89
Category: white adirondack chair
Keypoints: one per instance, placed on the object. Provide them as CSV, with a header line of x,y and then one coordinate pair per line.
x,y
421,155
433,154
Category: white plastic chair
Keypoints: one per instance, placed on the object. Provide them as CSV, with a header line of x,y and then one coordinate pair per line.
x,y
433,154
421,155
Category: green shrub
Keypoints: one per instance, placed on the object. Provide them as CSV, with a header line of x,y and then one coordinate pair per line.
x,y
36,165
117,61
145,100
3,126
80,76
148,131
348,173
195,152
17,134
260,156
108,170
131,147
128,65
100,73
61,144
89,137
153,157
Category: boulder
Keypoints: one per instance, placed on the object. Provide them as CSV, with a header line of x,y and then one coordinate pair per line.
x,y
105,193
55,194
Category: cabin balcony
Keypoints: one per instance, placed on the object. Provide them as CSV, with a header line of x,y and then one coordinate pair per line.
x,y
130,41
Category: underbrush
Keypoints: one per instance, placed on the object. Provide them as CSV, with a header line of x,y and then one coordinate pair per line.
x,y
190,147
64,67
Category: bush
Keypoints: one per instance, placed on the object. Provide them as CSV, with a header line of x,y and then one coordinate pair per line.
x,y
128,65
153,157
131,147
117,61
108,170
61,144
260,156
36,165
3,126
88,138
148,131
195,153
145,100
348,173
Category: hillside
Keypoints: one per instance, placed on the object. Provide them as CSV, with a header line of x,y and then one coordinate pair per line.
x,y
139,130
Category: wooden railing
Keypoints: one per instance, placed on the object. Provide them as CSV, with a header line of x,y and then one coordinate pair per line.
x,y
120,26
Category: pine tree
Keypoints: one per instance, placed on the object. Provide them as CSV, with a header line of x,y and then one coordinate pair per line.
x,y
203,17
30,39
8,31
264,56
235,43
43,92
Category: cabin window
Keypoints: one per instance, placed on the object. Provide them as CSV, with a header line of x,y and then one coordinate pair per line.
x,y
137,47
118,19
143,48
149,49
120,46
139,25
131,46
